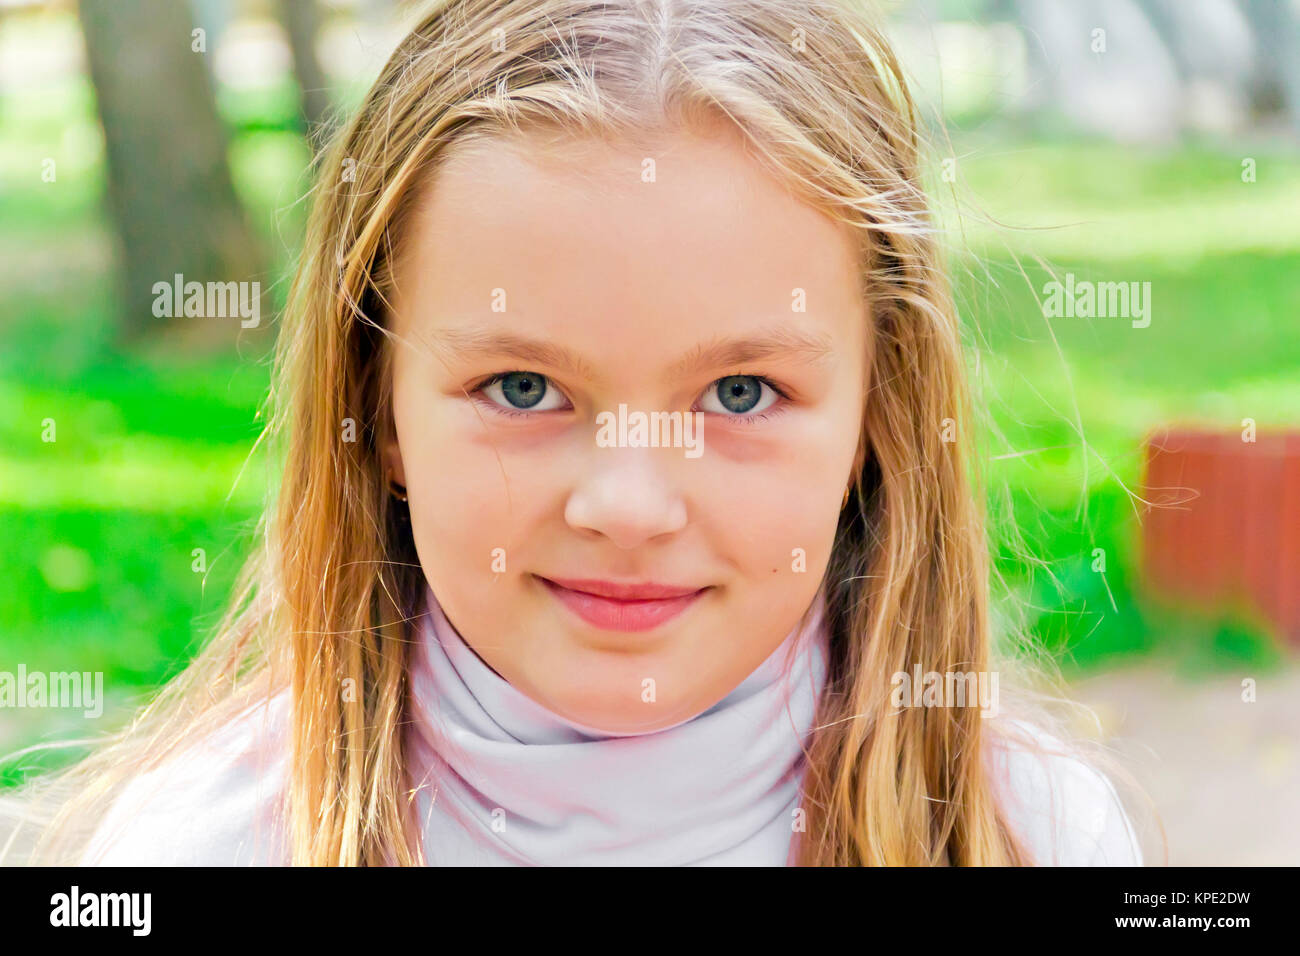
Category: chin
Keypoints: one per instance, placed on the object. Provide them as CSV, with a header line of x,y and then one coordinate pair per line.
x,y
625,714
625,722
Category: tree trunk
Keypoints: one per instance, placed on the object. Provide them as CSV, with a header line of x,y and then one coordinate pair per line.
x,y
301,21
1276,87
170,194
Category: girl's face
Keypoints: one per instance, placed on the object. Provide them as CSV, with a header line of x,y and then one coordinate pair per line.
x,y
550,294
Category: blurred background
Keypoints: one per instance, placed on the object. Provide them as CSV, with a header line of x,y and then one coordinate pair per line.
x,y
1143,480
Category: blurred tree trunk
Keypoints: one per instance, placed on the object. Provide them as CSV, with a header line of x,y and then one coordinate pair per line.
x,y
301,21
169,188
1276,88
1106,68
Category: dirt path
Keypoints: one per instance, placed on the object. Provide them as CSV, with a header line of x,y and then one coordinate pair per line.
x,y
1224,774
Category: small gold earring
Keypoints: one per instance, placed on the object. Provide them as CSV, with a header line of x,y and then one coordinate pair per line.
x,y
845,502
397,491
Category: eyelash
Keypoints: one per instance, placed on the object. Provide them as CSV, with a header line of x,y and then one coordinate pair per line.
x,y
777,408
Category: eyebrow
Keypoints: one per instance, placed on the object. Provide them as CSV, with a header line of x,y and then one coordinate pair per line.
x,y
777,342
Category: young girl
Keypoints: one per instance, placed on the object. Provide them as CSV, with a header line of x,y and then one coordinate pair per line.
x,y
625,498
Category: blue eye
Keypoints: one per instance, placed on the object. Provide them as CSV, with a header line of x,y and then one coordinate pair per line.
x,y
739,395
523,391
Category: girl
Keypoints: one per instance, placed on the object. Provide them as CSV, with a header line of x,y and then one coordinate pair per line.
x,y
728,632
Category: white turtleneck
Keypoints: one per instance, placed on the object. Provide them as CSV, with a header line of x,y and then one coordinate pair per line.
x,y
519,785
508,782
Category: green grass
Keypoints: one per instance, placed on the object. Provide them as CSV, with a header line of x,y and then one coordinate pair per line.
x,y
153,452
152,457
1069,400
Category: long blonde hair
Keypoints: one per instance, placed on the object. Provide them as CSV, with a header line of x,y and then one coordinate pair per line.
x,y
329,595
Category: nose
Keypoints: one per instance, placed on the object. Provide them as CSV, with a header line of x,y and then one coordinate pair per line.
x,y
627,498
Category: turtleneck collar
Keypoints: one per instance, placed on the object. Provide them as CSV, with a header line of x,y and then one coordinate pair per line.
x,y
505,781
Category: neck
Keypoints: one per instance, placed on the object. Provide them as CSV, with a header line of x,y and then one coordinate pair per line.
x,y
503,779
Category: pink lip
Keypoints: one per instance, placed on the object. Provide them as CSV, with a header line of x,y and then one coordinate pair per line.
x,y
622,607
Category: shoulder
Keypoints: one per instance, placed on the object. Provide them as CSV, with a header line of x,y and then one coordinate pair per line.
x,y
217,803
1065,811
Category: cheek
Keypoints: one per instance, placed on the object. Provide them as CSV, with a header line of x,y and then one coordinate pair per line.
x,y
784,521
780,534
474,497
454,502
460,510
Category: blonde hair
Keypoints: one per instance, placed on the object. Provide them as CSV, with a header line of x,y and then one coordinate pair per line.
x,y
824,104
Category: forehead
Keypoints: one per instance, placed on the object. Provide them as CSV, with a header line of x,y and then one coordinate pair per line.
x,y
617,242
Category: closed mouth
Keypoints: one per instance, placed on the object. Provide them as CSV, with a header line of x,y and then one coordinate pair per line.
x,y
616,606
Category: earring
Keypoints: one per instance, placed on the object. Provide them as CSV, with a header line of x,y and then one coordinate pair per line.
x,y
397,491
845,502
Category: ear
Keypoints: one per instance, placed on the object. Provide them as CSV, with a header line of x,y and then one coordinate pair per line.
x,y
392,459
390,452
